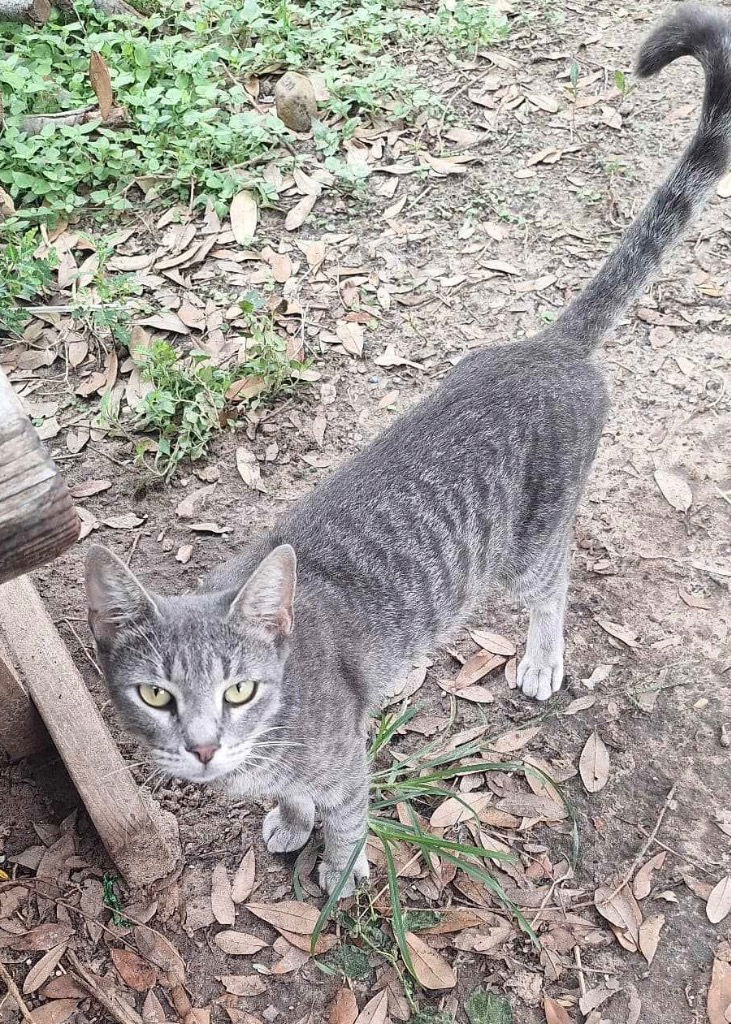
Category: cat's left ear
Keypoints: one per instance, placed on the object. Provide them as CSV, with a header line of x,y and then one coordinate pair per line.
x,y
114,594
267,598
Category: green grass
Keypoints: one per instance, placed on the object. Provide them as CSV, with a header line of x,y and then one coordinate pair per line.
x,y
180,74
417,783
188,399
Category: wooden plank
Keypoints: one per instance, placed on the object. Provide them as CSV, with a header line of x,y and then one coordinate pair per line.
x,y
141,839
22,732
37,516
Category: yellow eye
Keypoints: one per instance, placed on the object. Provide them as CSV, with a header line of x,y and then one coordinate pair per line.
x,y
155,696
240,693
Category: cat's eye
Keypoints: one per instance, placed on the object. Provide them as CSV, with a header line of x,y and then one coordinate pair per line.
x,y
155,696
240,693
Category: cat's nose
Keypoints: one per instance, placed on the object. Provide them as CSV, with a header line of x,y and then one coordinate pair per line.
x,y
204,754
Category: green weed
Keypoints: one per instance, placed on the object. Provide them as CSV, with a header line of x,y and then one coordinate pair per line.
x,y
23,276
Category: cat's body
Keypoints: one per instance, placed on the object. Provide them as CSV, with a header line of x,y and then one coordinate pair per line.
x,y
262,682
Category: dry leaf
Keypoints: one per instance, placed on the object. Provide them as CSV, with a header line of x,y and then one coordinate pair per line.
x,y
431,969
124,521
344,1008
621,910
243,984
493,642
152,1010
620,632
674,489
649,936
555,1013
187,508
222,905
210,528
90,487
453,810
528,805
156,948
479,665
723,189
76,352
719,994
375,1010
55,1012
290,915
64,987
580,704
634,1008
351,337
594,764
643,879
239,943
43,937
41,972
514,740
249,471
135,972
543,102
244,215
299,213
719,902
167,321
101,83
243,881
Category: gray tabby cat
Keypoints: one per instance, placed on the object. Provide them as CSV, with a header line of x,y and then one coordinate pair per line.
x,y
264,679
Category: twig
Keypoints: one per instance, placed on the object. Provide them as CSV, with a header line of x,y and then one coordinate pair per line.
x,y
645,846
14,991
580,969
117,1008
132,550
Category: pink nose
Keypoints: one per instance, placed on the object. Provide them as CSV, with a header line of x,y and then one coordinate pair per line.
x,y
204,754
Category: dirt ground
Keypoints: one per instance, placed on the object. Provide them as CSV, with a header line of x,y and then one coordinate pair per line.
x,y
663,705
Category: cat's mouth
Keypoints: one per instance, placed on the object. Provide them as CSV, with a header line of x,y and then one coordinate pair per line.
x,y
183,765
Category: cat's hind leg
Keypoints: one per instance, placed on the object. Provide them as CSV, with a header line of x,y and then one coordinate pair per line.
x,y
544,589
289,825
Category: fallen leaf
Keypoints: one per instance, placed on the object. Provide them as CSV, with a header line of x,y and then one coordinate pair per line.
x,y
344,1008
479,665
528,805
167,321
76,352
618,631
299,213
43,937
243,984
493,642
90,487
643,879
210,528
239,943
249,471
244,215
135,972
719,902
634,1008
101,83
63,987
719,994
124,521
580,704
454,810
186,509
243,881
514,740
222,905
375,1010
621,910
543,102
649,936
555,1013
351,337
41,972
723,189
290,915
674,489
594,764
431,969
694,600
161,952
55,1012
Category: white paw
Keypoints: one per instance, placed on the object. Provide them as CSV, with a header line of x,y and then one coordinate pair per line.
x,y
281,837
329,876
540,681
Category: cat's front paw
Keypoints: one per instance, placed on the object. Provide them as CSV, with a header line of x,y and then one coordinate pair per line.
x,y
281,836
540,681
329,876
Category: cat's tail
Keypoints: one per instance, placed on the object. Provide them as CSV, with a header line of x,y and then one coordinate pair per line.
x,y
703,33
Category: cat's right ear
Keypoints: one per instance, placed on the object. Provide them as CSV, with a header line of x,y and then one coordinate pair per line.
x,y
114,594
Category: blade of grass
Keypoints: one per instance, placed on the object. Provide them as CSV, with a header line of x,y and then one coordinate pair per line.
x,y
334,896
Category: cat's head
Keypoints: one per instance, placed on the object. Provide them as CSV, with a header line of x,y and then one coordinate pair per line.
x,y
198,679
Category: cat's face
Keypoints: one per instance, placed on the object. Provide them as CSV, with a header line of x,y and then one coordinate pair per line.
x,y
197,679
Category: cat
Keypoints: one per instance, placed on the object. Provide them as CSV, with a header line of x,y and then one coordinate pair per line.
x,y
262,682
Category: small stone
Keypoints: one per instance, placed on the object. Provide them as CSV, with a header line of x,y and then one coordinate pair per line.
x,y
295,100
